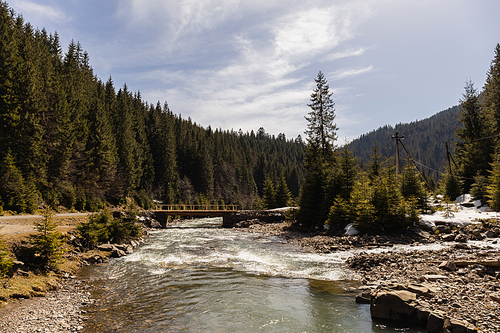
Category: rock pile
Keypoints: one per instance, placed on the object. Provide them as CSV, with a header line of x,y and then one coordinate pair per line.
x,y
455,289
59,311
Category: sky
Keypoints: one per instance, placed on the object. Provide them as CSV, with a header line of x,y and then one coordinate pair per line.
x,y
248,64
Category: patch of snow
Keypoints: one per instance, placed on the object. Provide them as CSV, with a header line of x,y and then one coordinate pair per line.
x,y
459,215
282,209
350,230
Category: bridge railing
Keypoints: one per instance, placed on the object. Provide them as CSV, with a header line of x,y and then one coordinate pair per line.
x,y
196,207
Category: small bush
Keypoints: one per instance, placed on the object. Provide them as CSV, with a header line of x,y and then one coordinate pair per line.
x,y
47,243
96,230
125,228
143,200
6,260
102,227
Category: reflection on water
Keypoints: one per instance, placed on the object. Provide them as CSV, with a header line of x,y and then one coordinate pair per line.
x,y
219,280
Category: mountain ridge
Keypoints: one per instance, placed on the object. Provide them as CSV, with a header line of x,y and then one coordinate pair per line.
x,y
425,140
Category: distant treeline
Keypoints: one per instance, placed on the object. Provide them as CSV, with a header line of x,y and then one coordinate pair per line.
x,y
425,140
67,138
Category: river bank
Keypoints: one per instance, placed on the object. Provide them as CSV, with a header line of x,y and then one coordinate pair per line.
x,y
460,278
61,310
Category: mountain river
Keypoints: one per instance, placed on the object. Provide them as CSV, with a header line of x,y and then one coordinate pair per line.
x,y
199,277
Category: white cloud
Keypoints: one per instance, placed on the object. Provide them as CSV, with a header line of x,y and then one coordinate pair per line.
x,y
263,83
343,73
346,54
35,9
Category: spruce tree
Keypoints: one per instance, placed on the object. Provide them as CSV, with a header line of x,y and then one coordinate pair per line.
x,y
491,93
283,195
474,148
321,137
269,194
12,186
493,188
321,129
47,242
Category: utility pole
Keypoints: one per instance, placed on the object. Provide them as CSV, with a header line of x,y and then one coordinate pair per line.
x,y
398,138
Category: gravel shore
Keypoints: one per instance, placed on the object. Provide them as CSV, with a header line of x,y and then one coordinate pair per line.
x,y
59,311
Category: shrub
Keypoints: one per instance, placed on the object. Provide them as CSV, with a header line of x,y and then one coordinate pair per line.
x,y
6,260
143,200
102,227
47,242
125,228
96,230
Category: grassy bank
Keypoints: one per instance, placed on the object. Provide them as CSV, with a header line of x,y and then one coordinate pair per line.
x,y
27,279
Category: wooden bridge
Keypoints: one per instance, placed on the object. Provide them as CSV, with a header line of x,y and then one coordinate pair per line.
x,y
195,210
231,216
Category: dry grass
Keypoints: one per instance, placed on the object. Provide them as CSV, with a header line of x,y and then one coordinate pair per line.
x,y
27,286
34,285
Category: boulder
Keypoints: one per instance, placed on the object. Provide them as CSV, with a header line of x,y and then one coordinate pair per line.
x,y
442,229
118,253
435,321
106,247
417,233
461,238
365,297
448,237
456,326
490,234
420,289
448,266
155,224
393,305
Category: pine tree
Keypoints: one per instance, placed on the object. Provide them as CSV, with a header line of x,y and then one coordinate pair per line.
x,y
321,137
283,195
493,188
362,210
375,164
474,148
269,194
479,189
313,212
411,185
321,130
491,92
47,242
12,187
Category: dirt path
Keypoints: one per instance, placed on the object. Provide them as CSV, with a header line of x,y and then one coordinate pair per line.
x,y
23,224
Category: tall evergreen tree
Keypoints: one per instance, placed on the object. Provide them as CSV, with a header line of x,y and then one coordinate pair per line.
x,y
283,195
321,129
269,194
474,148
321,137
491,93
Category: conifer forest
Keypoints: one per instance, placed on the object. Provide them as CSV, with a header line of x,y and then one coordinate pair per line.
x,y
68,138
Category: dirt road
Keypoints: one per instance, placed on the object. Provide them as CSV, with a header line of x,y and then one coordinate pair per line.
x,y
23,224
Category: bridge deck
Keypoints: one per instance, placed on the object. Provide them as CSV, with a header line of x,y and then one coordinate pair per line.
x,y
196,210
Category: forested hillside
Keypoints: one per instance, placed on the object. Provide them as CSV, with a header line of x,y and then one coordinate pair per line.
x,y
68,138
425,140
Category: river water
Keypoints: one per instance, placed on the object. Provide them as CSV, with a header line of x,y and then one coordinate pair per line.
x,y
198,277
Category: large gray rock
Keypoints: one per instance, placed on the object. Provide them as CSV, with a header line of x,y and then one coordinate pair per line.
x,y
106,247
448,237
155,224
448,266
394,305
118,253
435,322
